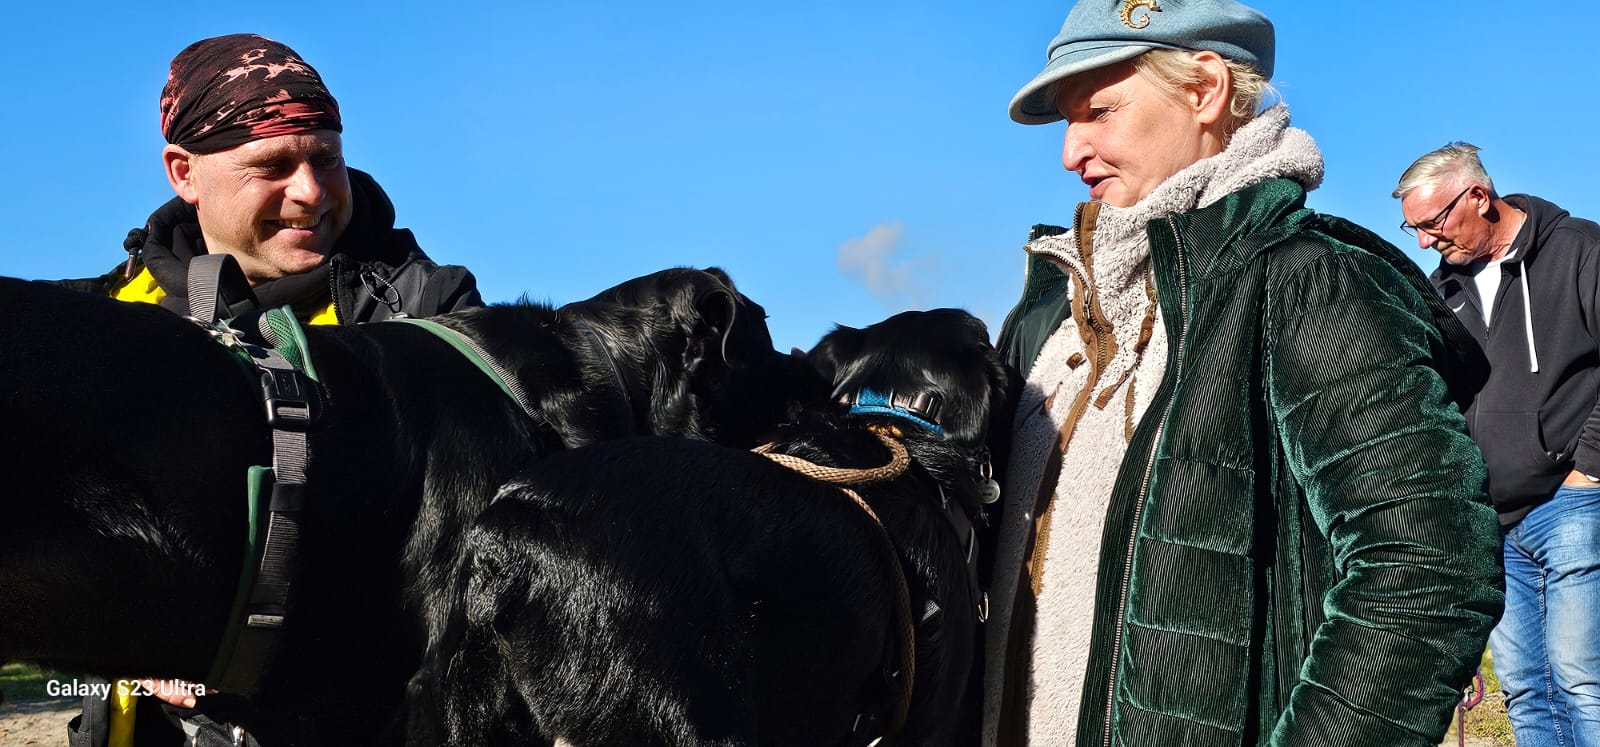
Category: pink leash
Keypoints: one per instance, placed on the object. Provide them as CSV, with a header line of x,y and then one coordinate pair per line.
x,y
1473,696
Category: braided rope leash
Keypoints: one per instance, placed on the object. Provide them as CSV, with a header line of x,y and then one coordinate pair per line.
x,y
898,461
840,477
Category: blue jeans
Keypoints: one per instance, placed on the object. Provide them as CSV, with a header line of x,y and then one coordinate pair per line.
x,y
1547,647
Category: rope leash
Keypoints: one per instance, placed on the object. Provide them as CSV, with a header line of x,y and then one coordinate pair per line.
x,y
898,461
840,477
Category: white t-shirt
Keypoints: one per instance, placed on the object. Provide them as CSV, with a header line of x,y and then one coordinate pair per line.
x,y
1488,280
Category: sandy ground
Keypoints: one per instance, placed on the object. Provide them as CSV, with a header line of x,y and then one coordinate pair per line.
x,y
36,722
1471,742
43,723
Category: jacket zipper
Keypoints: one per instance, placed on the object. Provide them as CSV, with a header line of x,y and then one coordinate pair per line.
x,y
1144,488
1099,348
1085,251
333,289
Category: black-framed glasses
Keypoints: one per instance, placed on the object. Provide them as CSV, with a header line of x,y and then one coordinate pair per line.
x,y
1438,220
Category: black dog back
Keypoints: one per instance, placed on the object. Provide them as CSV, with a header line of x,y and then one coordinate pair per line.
x,y
659,591
125,434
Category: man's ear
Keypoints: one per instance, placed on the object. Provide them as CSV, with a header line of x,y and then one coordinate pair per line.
x,y
1212,97
179,165
1480,193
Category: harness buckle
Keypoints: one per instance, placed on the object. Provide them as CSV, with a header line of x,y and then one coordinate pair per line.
x,y
925,405
291,402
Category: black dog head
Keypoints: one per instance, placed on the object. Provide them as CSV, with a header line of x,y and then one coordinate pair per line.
x,y
944,352
732,385
715,317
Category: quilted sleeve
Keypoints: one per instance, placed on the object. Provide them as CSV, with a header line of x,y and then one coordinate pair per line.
x,y
1397,490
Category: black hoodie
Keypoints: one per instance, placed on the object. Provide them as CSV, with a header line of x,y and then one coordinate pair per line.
x,y
376,271
1538,417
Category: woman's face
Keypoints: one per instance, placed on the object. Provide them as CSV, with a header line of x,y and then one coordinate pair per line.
x,y
1125,136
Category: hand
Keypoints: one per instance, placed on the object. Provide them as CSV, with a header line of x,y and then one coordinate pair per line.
x,y
1578,478
181,693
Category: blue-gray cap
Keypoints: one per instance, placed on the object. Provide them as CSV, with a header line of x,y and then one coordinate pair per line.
x,y
1103,32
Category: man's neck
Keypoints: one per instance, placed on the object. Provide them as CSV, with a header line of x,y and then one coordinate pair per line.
x,y
1506,230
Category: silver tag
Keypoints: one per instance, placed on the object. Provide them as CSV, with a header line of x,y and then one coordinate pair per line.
x,y
988,490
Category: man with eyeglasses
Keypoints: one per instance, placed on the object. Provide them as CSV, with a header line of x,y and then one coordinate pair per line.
x,y
1523,276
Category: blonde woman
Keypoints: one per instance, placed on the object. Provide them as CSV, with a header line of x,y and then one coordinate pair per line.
x,y
1242,506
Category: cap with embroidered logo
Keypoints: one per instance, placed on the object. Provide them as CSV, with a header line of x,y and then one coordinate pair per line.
x,y
1104,32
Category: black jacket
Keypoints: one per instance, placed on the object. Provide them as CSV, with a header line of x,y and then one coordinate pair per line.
x,y
1538,417
376,271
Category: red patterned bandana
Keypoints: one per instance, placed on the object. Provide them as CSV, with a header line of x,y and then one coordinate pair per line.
x,y
230,90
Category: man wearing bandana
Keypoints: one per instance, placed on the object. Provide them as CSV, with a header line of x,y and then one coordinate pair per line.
x,y
256,158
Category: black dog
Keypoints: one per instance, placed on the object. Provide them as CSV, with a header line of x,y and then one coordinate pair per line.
x,y
125,435
667,592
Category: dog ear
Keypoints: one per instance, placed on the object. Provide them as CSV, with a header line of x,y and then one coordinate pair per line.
x,y
739,323
837,347
722,276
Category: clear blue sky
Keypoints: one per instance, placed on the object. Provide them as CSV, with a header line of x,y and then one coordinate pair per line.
x,y
557,148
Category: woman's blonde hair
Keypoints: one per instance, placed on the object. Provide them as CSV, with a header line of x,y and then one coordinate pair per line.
x,y
1175,71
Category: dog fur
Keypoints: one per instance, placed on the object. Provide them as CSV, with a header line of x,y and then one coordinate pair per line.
x,y
125,434
667,592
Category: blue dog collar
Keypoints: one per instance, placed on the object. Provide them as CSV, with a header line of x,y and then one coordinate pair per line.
x,y
922,408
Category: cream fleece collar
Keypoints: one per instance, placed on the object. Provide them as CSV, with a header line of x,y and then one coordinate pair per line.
x,y
1264,148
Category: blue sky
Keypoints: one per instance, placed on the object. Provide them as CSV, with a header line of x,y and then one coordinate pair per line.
x,y
842,160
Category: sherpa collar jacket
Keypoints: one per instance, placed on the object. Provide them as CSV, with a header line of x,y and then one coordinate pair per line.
x,y
1298,549
376,272
1538,416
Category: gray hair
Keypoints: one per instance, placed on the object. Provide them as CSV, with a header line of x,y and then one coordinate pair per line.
x,y
1456,162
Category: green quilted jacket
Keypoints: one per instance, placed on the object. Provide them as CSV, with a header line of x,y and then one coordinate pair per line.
x,y
1299,549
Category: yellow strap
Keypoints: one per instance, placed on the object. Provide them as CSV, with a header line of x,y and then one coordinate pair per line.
x,y
143,288
326,316
124,704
